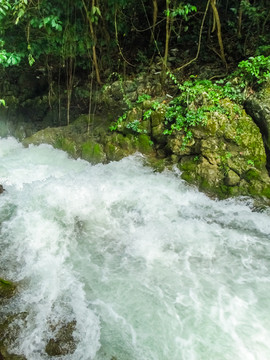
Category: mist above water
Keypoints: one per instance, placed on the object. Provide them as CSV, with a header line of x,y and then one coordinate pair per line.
x,y
146,266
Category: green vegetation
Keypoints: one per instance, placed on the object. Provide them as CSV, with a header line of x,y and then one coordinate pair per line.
x,y
120,35
255,70
134,126
191,107
200,97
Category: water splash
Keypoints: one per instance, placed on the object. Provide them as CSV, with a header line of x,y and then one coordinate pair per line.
x,y
149,268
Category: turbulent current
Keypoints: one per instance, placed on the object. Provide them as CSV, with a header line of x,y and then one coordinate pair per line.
x,y
143,265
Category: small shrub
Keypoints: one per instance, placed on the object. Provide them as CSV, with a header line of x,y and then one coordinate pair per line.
x,y
254,70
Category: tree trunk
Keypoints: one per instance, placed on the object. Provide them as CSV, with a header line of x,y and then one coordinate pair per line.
x,y
155,13
218,25
94,39
166,52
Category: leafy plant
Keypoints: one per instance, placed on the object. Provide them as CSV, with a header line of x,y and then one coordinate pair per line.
x,y
142,98
134,126
183,10
147,114
190,109
9,59
254,70
115,124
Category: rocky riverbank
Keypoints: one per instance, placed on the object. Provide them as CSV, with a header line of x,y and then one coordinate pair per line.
x,y
227,154
224,157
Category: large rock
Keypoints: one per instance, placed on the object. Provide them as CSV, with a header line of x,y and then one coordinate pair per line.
x,y
258,107
93,141
63,343
225,157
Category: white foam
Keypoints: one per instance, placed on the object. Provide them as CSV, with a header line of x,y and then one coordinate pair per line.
x,y
149,268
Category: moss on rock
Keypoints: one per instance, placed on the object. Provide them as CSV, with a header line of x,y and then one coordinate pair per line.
x,y
7,289
258,106
228,148
145,144
67,145
93,152
232,159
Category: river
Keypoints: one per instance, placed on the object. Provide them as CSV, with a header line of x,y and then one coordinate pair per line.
x,y
147,267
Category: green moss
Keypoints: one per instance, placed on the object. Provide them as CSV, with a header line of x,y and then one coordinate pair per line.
x,y
83,120
144,144
67,145
204,185
123,141
93,152
266,191
114,153
7,289
157,164
188,165
187,177
252,174
158,116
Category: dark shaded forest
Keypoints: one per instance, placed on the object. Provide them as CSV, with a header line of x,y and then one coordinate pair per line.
x,y
96,38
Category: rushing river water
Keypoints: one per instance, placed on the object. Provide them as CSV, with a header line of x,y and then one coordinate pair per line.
x,y
147,267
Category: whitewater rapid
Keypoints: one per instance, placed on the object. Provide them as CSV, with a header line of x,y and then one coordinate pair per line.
x,y
147,267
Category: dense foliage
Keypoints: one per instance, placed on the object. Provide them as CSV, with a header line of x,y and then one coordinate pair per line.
x,y
93,39
112,34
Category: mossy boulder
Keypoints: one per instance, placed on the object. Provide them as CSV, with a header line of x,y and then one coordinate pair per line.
x,y
258,107
144,144
117,146
45,136
226,156
66,144
93,152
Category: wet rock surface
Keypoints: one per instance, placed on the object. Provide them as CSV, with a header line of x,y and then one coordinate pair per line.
x,y
258,107
63,343
8,325
7,289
